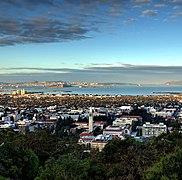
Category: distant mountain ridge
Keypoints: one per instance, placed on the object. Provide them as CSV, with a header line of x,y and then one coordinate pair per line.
x,y
173,83
116,83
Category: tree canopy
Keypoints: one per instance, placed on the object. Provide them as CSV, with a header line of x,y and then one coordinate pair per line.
x,y
42,155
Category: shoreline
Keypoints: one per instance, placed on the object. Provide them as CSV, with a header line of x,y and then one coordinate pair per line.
x,y
168,92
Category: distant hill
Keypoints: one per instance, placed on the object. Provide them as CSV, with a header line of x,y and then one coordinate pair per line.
x,y
116,84
173,83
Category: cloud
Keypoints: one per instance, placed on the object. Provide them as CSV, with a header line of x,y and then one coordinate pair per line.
x,y
179,13
129,20
104,68
95,73
100,64
142,1
49,21
176,7
39,30
18,70
17,2
176,1
149,12
159,5
46,21
136,69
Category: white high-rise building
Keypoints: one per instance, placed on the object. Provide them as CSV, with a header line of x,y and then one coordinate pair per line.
x,y
90,124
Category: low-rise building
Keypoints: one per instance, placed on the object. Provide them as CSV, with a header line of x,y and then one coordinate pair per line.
x,y
120,131
101,140
123,120
150,130
98,145
86,138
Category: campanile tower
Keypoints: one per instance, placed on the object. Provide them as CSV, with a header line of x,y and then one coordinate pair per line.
x,y
90,124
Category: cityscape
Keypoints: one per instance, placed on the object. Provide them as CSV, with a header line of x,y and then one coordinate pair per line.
x,y
90,90
90,123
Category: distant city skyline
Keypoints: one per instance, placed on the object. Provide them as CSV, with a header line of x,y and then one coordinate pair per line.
x,y
135,41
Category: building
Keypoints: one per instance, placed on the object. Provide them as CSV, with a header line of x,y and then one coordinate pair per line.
x,y
100,124
23,128
86,138
123,120
113,130
82,125
19,92
126,109
90,123
119,131
101,140
150,130
98,145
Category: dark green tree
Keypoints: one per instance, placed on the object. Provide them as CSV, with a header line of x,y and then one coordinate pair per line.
x,y
167,143
169,167
17,163
66,167
127,159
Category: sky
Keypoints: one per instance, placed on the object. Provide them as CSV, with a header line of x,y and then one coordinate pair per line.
x,y
135,41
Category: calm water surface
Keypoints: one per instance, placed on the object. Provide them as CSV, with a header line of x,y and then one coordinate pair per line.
x,y
117,90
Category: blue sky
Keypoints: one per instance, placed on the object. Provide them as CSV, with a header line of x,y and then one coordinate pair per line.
x,y
91,40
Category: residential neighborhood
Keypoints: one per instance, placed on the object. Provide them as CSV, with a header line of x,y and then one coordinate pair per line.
x,y
95,125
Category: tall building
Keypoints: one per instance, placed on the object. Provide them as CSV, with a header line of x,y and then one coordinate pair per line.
x,y
90,124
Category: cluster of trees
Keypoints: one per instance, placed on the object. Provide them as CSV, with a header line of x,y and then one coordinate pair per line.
x,y
42,156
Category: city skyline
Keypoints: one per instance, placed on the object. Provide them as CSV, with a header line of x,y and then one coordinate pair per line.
x,y
135,41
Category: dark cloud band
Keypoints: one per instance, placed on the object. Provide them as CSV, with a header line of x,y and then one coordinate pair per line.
x,y
107,68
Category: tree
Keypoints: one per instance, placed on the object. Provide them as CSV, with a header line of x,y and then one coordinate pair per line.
x,y
126,159
166,143
3,178
65,167
169,167
18,163
45,145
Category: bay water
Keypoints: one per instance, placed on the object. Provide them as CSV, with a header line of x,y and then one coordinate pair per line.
x,y
109,90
